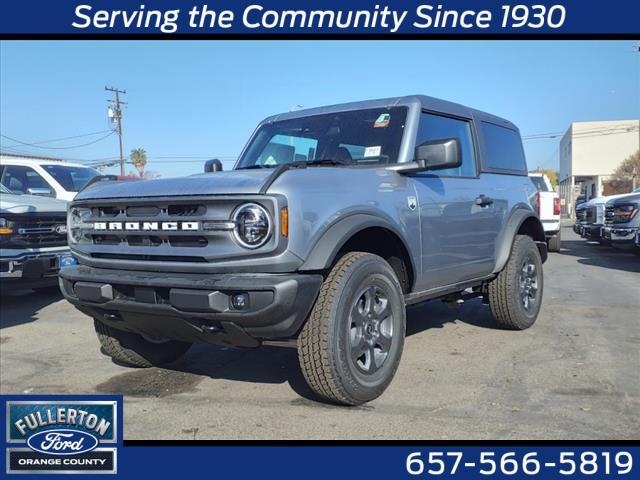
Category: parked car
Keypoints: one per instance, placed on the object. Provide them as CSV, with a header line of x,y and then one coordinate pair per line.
x,y
622,221
51,178
593,217
581,218
332,221
33,237
548,203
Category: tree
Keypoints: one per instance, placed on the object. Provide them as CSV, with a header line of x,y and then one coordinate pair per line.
x,y
139,159
552,174
627,176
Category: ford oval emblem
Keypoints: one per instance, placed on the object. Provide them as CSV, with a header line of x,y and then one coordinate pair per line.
x,y
62,442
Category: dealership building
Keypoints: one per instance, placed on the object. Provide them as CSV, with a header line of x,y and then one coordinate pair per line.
x,y
589,154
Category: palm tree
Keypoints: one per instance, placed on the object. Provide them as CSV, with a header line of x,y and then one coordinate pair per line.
x,y
139,159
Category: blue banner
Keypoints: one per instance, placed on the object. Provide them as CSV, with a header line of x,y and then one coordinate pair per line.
x,y
317,18
444,461
54,434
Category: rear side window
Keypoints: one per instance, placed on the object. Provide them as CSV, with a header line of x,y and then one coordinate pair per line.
x,y
503,148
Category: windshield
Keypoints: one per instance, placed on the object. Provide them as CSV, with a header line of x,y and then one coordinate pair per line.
x,y
72,179
357,137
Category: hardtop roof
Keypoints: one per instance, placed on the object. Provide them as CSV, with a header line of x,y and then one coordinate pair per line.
x,y
423,101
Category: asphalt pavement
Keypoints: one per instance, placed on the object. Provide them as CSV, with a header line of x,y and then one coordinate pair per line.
x,y
574,375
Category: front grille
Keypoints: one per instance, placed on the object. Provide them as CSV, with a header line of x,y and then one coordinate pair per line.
x,y
35,230
149,211
186,229
612,217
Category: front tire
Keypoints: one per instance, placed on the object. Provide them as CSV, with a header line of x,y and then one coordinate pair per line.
x,y
515,295
350,347
134,350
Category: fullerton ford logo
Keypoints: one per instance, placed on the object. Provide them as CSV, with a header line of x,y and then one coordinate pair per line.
x,y
62,434
147,226
62,442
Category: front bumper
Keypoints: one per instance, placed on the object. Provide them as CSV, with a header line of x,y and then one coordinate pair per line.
x,y
194,307
30,268
592,232
620,237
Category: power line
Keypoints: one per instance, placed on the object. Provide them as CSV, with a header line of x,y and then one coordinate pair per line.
x,y
596,132
111,132
20,142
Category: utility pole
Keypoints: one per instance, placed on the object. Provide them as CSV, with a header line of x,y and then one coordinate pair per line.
x,y
117,117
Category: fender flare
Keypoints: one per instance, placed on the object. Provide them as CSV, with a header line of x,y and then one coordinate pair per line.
x,y
323,253
503,247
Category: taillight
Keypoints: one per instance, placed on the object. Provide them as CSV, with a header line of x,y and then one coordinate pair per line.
x,y
556,206
538,206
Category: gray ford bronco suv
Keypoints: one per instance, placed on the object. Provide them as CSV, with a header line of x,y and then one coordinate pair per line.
x,y
332,221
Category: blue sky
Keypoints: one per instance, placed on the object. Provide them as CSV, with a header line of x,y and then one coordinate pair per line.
x,y
203,99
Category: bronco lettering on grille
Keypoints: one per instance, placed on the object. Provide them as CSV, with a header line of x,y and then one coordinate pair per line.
x,y
147,226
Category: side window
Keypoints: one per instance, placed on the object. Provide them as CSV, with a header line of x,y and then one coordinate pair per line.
x,y
436,127
19,178
286,149
503,148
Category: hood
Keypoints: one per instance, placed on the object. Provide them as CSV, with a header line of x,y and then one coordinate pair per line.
x,y
602,200
11,203
628,198
216,183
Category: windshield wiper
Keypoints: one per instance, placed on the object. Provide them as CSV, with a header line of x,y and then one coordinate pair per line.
x,y
256,166
327,161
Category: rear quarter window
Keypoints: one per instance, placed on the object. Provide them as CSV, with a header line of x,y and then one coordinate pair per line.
x,y
503,149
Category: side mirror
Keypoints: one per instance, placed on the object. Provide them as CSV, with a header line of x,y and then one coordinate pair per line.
x,y
433,155
214,165
42,192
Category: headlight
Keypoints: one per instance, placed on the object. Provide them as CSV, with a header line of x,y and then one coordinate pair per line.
x,y
5,227
76,224
252,225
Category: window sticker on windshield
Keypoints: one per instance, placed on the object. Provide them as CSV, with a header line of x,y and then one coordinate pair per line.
x,y
382,121
372,151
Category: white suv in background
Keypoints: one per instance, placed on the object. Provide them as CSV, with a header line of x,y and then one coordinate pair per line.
x,y
51,178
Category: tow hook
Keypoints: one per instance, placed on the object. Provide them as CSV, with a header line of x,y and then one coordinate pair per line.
x,y
210,328
112,317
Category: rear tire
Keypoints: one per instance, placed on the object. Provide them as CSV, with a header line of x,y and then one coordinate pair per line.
x,y
350,347
515,295
134,350
553,244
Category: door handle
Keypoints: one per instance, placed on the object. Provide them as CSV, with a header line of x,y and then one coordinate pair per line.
x,y
483,200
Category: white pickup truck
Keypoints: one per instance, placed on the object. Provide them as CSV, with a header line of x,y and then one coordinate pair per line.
x,y
548,209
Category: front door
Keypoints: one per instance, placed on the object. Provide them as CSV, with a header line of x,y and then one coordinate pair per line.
x,y
458,225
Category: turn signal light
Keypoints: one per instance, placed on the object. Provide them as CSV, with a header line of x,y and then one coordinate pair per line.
x,y
6,231
284,222
556,206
